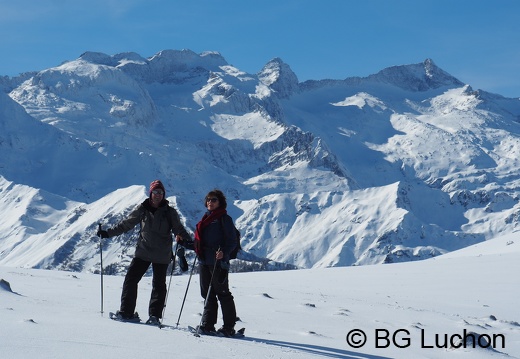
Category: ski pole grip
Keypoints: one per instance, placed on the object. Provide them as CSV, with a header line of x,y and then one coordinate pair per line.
x,y
99,228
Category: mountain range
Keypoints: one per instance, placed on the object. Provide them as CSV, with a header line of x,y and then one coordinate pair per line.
x,y
405,164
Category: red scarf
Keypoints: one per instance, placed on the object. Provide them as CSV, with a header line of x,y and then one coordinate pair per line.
x,y
203,223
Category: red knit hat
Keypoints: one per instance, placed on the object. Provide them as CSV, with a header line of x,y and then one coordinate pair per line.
x,y
156,185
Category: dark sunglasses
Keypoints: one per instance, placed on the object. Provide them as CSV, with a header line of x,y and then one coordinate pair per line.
x,y
212,200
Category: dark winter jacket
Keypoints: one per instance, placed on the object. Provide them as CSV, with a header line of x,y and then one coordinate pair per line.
x,y
157,224
219,233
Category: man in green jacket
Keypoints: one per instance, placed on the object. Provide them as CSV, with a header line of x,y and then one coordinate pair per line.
x,y
158,220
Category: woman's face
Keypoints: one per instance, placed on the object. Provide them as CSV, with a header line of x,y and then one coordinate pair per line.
x,y
156,197
212,203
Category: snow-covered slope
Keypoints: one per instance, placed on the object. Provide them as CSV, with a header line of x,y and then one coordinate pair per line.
x,y
406,310
405,164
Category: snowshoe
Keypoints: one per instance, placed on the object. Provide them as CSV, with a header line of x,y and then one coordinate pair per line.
x,y
226,332
203,330
123,317
153,320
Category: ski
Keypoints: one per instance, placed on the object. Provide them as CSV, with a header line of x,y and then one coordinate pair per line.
x,y
238,334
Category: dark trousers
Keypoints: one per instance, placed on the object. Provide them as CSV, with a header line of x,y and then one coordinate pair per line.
x,y
218,290
136,271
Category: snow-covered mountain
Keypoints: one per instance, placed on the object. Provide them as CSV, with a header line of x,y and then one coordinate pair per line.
x,y
405,164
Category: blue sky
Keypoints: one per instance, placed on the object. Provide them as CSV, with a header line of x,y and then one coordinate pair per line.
x,y
477,41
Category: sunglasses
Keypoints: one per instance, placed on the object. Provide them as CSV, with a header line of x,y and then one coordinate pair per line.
x,y
212,200
157,191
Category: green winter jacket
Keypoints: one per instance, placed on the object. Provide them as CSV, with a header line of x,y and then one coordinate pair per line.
x,y
155,239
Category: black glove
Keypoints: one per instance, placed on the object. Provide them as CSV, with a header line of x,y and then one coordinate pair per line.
x,y
102,233
183,263
224,265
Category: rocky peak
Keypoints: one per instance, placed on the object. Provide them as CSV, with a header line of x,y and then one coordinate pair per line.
x,y
278,76
416,77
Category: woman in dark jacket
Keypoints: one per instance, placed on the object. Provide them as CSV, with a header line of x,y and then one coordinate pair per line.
x,y
158,220
215,239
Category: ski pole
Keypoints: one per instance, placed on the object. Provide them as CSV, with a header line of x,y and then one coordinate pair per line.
x,y
186,292
168,290
101,257
207,296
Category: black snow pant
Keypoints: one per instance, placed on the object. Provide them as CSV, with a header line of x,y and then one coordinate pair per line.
x,y
219,289
136,271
